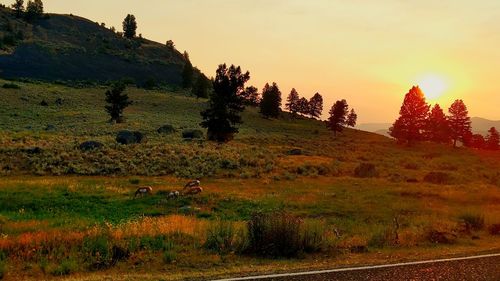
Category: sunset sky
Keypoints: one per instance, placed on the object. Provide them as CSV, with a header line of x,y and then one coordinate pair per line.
x,y
368,52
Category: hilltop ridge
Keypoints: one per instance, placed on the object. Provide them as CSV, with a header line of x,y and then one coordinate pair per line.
x,y
68,47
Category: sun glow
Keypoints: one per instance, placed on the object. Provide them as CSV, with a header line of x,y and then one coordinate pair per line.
x,y
433,86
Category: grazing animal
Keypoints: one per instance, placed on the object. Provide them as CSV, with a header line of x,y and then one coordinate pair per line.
x,y
191,184
173,195
194,190
144,190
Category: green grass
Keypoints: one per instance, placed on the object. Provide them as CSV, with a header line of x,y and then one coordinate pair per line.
x,y
60,188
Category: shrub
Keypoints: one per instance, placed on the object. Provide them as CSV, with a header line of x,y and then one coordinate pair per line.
x,y
494,229
221,237
192,134
128,137
134,181
169,256
439,234
366,170
90,145
274,234
411,166
313,236
383,238
3,266
166,129
437,178
11,86
66,267
97,252
473,221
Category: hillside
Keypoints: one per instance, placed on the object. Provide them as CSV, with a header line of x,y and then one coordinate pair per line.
x,y
68,47
347,191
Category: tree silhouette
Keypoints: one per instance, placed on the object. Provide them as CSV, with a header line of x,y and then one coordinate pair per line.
x,y
117,101
225,104
475,141
459,120
251,96
187,72
338,115
437,128
316,106
201,87
18,6
129,26
493,139
292,104
412,117
170,44
352,118
34,10
303,106
270,105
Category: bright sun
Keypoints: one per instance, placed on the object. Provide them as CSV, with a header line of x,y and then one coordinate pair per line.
x,y
433,86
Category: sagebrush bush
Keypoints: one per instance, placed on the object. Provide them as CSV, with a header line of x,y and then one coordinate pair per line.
x,y
438,178
3,265
313,236
192,134
66,267
169,256
494,229
221,237
97,252
473,221
11,86
384,237
366,170
275,234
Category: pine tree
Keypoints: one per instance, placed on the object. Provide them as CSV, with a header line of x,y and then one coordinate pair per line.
x,y
129,26
117,101
338,115
170,44
412,117
201,87
303,106
493,139
251,96
316,106
459,120
476,141
187,72
437,128
270,105
18,6
225,103
34,10
292,104
352,119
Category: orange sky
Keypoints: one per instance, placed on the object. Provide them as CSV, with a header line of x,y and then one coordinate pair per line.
x,y
368,52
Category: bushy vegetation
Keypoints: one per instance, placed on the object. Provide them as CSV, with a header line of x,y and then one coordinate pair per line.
x,y
473,221
340,194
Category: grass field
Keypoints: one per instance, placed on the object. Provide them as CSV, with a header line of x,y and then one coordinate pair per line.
x,y
360,197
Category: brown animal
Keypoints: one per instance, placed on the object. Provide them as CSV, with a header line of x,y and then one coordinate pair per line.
x,y
191,184
144,190
194,190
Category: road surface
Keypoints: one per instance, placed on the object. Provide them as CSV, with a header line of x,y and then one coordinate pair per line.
x,y
474,268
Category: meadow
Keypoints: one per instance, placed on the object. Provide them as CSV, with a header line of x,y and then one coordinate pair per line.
x,y
355,199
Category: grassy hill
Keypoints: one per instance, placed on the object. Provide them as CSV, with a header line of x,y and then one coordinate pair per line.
x,y
68,47
66,211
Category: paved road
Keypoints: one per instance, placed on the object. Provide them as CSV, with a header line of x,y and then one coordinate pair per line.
x,y
477,268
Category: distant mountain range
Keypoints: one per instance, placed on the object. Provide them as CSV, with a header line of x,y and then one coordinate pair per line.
x,y
479,126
